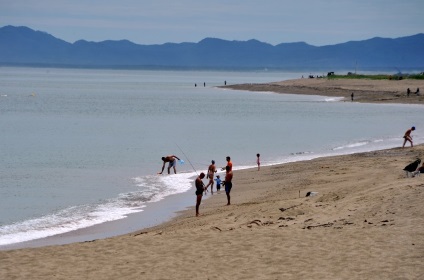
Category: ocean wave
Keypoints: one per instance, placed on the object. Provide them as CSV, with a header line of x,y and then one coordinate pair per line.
x,y
353,145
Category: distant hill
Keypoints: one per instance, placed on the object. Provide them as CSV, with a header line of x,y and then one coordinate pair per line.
x,y
24,46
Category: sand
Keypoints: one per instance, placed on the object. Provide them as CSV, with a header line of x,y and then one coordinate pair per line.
x,y
364,90
365,222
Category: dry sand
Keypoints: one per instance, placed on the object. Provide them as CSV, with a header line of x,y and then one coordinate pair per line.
x,y
366,222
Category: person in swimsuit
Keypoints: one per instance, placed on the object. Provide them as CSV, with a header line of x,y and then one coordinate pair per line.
x,y
172,162
199,191
211,171
408,136
228,184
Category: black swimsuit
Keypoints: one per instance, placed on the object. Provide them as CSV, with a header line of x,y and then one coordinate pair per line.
x,y
199,187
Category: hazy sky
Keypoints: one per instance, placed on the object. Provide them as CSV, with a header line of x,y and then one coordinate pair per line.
x,y
316,22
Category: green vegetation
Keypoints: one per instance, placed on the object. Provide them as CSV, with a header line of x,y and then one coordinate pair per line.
x,y
378,77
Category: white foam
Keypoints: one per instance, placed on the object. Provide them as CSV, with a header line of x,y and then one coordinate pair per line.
x,y
66,220
150,189
333,99
353,145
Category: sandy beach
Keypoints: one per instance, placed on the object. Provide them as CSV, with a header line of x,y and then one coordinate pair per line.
x,y
364,90
366,220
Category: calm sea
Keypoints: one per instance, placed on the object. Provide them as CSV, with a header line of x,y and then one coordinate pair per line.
x,y
82,147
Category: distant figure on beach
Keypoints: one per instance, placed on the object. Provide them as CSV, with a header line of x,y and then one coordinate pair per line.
x,y
408,136
204,84
172,162
258,161
211,172
408,91
218,183
195,85
417,92
228,183
199,191
351,96
229,163
225,83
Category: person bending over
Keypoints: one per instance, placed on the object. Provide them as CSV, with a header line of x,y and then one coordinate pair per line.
x,y
172,162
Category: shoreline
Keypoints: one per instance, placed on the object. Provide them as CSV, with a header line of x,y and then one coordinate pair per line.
x,y
365,208
153,214
364,90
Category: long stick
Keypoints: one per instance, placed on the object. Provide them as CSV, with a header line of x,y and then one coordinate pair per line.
x,y
187,158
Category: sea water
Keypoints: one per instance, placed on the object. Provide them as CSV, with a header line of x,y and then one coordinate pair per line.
x,y
80,147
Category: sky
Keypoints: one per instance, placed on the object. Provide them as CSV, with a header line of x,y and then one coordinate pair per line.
x,y
316,22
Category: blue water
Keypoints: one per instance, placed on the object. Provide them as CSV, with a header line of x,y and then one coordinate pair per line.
x,y
81,147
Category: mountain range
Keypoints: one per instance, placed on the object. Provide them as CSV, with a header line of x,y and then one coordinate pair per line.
x,y
25,46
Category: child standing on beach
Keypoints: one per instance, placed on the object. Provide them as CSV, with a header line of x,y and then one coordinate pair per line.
x,y
218,183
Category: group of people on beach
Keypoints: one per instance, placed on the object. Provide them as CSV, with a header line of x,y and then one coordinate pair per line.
x,y
201,189
408,92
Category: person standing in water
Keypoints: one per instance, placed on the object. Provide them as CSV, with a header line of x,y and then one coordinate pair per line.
x,y
408,136
199,191
172,162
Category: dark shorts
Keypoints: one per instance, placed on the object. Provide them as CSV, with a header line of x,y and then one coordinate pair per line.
x,y
218,187
199,192
228,186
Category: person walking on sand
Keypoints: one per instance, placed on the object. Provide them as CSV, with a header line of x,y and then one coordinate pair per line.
x,y
258,161
408,137
172,162
228,183
211,171
199,191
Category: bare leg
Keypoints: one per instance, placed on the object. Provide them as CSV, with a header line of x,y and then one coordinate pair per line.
x,y
198,201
